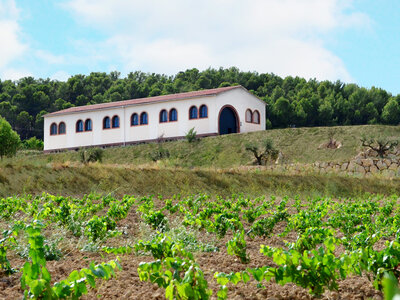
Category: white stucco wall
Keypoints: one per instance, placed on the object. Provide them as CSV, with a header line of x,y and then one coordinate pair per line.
x,y
242,100
239,98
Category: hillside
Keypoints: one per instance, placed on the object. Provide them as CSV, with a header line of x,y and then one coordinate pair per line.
x,y
297,145
216,165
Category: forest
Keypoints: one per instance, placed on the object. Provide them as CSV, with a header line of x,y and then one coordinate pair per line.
x,y
292,101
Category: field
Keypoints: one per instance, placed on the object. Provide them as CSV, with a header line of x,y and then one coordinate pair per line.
x,y
199,247
204,222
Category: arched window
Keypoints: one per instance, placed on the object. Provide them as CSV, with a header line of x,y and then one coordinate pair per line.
x,y
53,129
256,117
115,122
106,123
203,111
79,126
163,116
173,115
249,116
134,119
88,125
193,112
61,128
144,119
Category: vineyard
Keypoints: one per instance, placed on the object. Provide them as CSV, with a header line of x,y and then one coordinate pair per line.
x,y
198,247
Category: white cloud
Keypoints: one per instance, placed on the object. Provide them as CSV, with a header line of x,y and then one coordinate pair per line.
x,y
50,58
60,76
286,37
11,46
14,74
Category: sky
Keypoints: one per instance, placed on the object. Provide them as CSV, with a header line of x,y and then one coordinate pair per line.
x,y
355,41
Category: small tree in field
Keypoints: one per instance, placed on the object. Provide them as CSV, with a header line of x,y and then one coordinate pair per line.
x,y
263,154
9,139
380,145
191,135
91,155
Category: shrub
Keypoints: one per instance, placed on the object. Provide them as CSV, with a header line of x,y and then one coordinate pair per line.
x,y
380,145
33,144
191,135
159,154
263,154
9,139
91,155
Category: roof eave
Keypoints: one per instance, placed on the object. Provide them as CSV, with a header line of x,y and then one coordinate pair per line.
x,y
124,105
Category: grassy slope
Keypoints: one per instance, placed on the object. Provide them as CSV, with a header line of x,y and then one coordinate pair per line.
x,y
130,170
76,180
298,144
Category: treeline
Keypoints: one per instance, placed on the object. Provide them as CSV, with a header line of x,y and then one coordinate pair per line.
x,y
291,100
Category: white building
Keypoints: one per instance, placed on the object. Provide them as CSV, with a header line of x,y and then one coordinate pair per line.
x,y
210,112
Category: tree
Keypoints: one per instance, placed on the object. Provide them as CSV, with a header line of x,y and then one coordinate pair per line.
x,y
283,112
264,153
91,155
9,139
391,112
380,145
191,135
24,124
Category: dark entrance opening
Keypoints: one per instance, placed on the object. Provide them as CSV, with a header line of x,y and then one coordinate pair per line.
x,y
228,121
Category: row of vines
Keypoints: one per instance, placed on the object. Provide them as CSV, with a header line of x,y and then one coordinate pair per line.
x,y
335,239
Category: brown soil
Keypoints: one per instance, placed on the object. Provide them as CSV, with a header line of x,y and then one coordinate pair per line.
x,y
128,286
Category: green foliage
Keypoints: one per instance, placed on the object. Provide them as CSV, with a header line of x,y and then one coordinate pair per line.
x,y
97,228
380,145
156,219
264,154
191,135
159,154
33,144
293,100
391,112
237,246
390,287
313,261
9,139
75,285
91,155
7,240
36,279
174,270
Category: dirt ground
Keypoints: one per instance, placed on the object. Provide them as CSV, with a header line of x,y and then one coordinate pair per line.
x,y
128,286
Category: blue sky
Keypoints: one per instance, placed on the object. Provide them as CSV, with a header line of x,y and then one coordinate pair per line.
x,y
353,41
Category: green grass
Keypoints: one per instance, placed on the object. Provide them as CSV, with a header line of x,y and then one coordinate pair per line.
x,y
213,165
297,144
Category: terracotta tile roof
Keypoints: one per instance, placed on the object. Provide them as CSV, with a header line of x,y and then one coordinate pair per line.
x,y
170,97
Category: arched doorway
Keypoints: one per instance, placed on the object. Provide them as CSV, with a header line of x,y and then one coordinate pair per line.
x,y
228,120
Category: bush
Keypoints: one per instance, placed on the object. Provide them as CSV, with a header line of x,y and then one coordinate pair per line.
x,y
191,135
91,155
32,144
9,139
159,154
263,154
380,145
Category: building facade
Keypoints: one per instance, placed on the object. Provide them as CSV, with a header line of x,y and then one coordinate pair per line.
x,y
210,112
